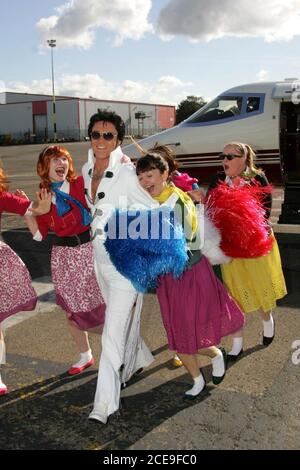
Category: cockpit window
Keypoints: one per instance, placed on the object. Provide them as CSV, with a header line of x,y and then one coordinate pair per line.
x,y
221,108
253,103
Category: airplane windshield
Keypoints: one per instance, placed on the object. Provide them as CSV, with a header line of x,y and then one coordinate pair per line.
x,y
220,108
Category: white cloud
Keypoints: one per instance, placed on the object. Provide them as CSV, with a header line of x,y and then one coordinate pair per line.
x,y
201,20
166,90
37,86
262,75
76,21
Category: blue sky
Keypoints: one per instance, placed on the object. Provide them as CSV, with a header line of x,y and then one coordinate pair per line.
x,y
147,50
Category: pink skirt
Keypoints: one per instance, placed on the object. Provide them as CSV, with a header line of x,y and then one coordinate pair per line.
x,y
76,287
16,291
197,310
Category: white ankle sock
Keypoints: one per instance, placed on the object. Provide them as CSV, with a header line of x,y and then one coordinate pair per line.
x,y
84,358
199,384
2,385
2,352
269,328
237,346
218,365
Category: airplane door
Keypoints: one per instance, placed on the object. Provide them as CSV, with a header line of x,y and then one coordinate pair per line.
x,y
290,141
290,152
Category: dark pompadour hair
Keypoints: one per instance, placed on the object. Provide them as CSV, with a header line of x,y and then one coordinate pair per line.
x,y
108,116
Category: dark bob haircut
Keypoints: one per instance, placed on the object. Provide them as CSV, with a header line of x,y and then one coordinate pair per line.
x,y
151,161
108,116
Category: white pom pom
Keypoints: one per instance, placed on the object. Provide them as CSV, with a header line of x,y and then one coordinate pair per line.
x,y
210,238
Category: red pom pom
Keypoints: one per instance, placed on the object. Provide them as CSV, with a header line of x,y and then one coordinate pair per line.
x,y
238,213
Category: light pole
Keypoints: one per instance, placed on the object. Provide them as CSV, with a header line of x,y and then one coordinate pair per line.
x,y
52,44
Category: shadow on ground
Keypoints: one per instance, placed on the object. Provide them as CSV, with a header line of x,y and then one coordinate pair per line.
x,y
42,416
53,413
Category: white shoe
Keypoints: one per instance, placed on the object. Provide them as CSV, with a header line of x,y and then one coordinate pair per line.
x,y
98,415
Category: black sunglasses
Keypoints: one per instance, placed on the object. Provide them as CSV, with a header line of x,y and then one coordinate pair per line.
x,y
95,135
229,156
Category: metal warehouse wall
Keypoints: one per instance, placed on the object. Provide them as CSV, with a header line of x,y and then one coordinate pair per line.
x,y
166,116
67,119
16,119
73,115
149,125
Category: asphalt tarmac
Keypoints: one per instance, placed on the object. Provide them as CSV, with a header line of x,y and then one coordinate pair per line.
x,y
255,407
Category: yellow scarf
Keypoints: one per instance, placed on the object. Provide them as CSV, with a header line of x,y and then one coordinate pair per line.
x,y
186,201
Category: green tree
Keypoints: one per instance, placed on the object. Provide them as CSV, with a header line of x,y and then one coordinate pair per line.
x,y
188,106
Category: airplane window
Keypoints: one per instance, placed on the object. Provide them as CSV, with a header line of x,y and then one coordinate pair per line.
x,y
221,108
253,103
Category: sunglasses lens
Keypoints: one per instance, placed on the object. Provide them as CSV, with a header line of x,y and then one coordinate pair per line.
x,y
95,135
229,157
108,136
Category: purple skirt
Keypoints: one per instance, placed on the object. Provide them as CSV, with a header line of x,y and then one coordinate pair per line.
x,y
16,291
76,287
197,310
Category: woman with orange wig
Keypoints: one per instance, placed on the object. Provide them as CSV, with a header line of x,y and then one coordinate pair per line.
x,y
13,272
75,284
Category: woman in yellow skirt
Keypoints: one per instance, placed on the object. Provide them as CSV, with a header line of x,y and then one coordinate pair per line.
x,y
255,283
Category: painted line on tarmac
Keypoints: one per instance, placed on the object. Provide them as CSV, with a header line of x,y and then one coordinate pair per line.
x,y
20,230
46,302
21,175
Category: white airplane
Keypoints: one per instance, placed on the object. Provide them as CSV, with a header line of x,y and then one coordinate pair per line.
x,y
265,115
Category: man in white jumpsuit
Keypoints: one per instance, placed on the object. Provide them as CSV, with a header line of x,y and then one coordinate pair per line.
x,y
110,183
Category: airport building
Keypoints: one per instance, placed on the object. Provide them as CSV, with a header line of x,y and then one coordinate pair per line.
x,y
28,117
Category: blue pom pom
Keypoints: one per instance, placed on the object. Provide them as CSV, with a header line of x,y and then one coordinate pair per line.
x,y
145,244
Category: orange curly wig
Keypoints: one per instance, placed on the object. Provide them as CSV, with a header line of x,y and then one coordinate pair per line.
x,y
3,181
43,165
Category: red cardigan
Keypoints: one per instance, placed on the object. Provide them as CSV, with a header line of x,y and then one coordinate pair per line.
x,y
9,202
70,223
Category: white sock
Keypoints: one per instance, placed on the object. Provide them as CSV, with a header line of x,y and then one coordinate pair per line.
x,y
236,346
2,352
269,327
218,365
2,385
198,386
84,358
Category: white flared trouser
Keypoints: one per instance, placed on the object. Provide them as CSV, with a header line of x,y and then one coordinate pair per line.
x,y
2,352
123,349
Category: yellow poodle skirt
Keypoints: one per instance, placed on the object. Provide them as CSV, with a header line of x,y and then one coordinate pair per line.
x,y
255,283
